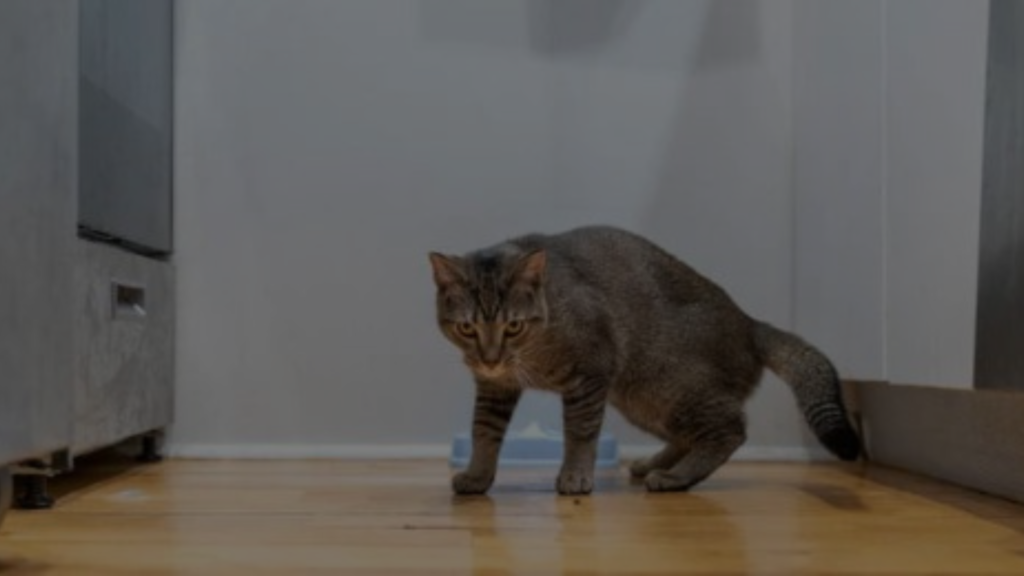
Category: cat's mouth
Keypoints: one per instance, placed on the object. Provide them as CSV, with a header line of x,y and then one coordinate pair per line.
x,y
490,370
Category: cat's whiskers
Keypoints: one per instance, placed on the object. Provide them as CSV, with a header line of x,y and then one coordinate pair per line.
x,y
528,377
522,375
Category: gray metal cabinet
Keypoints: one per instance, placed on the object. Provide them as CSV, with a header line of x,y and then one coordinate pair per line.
x,y
127,121
6,494
124,284
38,128
86,329
124,346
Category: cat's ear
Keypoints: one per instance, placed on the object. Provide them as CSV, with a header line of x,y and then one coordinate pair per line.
x,y
448,270
532,267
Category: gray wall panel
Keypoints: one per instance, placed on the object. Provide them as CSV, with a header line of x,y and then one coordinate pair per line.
x,y
999,357
38,52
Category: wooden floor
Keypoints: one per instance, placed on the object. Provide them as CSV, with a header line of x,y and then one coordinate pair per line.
x,y
398,518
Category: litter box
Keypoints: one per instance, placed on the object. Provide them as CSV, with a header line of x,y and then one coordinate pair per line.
x,y
533,446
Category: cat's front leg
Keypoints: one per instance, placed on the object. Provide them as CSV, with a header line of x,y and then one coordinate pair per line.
x,y
491,416
583,409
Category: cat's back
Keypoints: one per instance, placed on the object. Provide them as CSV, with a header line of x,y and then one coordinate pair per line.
x,y
621,262
614,291
596,245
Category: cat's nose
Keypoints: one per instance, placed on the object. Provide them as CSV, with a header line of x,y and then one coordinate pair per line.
x,y
490,357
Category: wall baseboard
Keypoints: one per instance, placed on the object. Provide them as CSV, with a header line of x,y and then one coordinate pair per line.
x,y
972,438
627,452
306,451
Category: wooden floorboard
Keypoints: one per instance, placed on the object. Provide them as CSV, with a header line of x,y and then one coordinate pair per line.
x,y
398,518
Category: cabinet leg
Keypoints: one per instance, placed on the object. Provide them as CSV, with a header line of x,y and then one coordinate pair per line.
x,y
6,488
33,493
150,451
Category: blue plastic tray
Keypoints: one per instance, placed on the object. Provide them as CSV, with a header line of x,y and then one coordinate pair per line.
x,y
533,447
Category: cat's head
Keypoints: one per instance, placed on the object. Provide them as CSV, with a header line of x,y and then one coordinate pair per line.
x,y
491,305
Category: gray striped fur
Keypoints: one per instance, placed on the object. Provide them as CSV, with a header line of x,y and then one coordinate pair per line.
x,y
600,316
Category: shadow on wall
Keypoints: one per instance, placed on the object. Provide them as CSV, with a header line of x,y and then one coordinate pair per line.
x,y
724,153
732,35
545,27
580,28
566,27
586,31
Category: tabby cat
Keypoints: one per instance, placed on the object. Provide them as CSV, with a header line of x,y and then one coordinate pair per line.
x,y
600,315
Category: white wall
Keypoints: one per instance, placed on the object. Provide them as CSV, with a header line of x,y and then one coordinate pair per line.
x,y
323,147
935,101
889,100
838,116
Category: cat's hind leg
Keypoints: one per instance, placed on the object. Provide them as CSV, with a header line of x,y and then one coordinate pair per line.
x,y
711,438
664,459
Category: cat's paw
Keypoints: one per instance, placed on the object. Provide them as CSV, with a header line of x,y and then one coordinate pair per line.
x,y
664,481
465,484
641,468
575,481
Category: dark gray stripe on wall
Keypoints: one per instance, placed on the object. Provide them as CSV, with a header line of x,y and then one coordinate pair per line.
x,y
999,352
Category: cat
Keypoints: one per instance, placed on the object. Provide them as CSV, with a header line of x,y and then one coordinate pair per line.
x,y
600,315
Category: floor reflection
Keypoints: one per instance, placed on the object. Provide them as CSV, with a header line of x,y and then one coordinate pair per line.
x,y
526,528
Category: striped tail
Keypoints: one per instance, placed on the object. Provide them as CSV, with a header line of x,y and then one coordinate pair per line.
x,y
815,383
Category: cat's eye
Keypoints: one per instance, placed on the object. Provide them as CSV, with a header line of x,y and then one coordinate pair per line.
x,y
465,329
514,328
